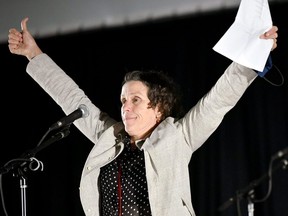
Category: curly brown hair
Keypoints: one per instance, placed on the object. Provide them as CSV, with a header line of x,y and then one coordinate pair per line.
x,y
162,91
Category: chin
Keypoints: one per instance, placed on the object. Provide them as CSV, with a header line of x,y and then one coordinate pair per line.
x,y
129,130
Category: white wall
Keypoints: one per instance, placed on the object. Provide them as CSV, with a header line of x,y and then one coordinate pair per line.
x,y
52,17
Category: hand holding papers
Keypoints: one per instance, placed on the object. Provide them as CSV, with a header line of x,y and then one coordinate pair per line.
x,y
241,43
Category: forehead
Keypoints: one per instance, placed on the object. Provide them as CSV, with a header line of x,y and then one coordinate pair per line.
x,y
134,87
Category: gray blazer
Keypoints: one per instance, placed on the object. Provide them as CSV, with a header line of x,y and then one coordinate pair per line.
x,y
167,151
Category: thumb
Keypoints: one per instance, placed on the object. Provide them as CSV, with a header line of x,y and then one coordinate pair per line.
x,y
24,24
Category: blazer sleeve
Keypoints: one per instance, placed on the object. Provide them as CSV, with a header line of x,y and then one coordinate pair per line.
x,y
67,94
204,118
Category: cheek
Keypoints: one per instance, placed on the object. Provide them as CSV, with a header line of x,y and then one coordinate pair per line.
x,y
148,115
121,111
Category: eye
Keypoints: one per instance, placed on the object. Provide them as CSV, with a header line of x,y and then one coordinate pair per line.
x,y
136,100
123,100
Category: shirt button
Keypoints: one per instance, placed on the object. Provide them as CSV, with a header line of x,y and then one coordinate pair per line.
x,y
89,168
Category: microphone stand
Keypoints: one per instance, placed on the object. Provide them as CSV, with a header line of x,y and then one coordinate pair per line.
x,y
27,159
248,191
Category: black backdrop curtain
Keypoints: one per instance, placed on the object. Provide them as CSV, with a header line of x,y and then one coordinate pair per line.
x,y
238,152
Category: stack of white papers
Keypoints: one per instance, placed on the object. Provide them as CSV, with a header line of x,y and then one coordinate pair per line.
x,y
241,42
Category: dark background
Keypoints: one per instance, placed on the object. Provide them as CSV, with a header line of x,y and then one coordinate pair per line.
x,y
237,153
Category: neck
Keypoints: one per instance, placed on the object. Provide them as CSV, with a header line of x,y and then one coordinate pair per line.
x,y
144,136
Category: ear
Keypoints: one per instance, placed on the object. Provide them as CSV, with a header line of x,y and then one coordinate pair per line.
x,y
158,116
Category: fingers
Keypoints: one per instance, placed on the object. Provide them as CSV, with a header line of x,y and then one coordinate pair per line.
x,y
274,44
271,33
14,38
14,34
273,30
14,43
24,24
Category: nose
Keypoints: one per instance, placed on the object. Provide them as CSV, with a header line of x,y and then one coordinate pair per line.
x,y
126,107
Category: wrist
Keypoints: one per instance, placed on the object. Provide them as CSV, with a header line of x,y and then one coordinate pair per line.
x,y
33,54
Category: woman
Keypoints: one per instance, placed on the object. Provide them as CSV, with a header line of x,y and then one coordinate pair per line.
x,y
138,166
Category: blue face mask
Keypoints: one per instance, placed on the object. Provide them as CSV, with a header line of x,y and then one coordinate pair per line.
x,y
267,67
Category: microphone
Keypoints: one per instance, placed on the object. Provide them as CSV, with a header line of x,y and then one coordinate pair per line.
x,y
280,153
81,112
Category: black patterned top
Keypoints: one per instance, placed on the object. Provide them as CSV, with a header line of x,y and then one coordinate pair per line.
x,y
123,186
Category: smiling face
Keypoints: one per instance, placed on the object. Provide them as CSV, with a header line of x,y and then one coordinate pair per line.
x,y
137,115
